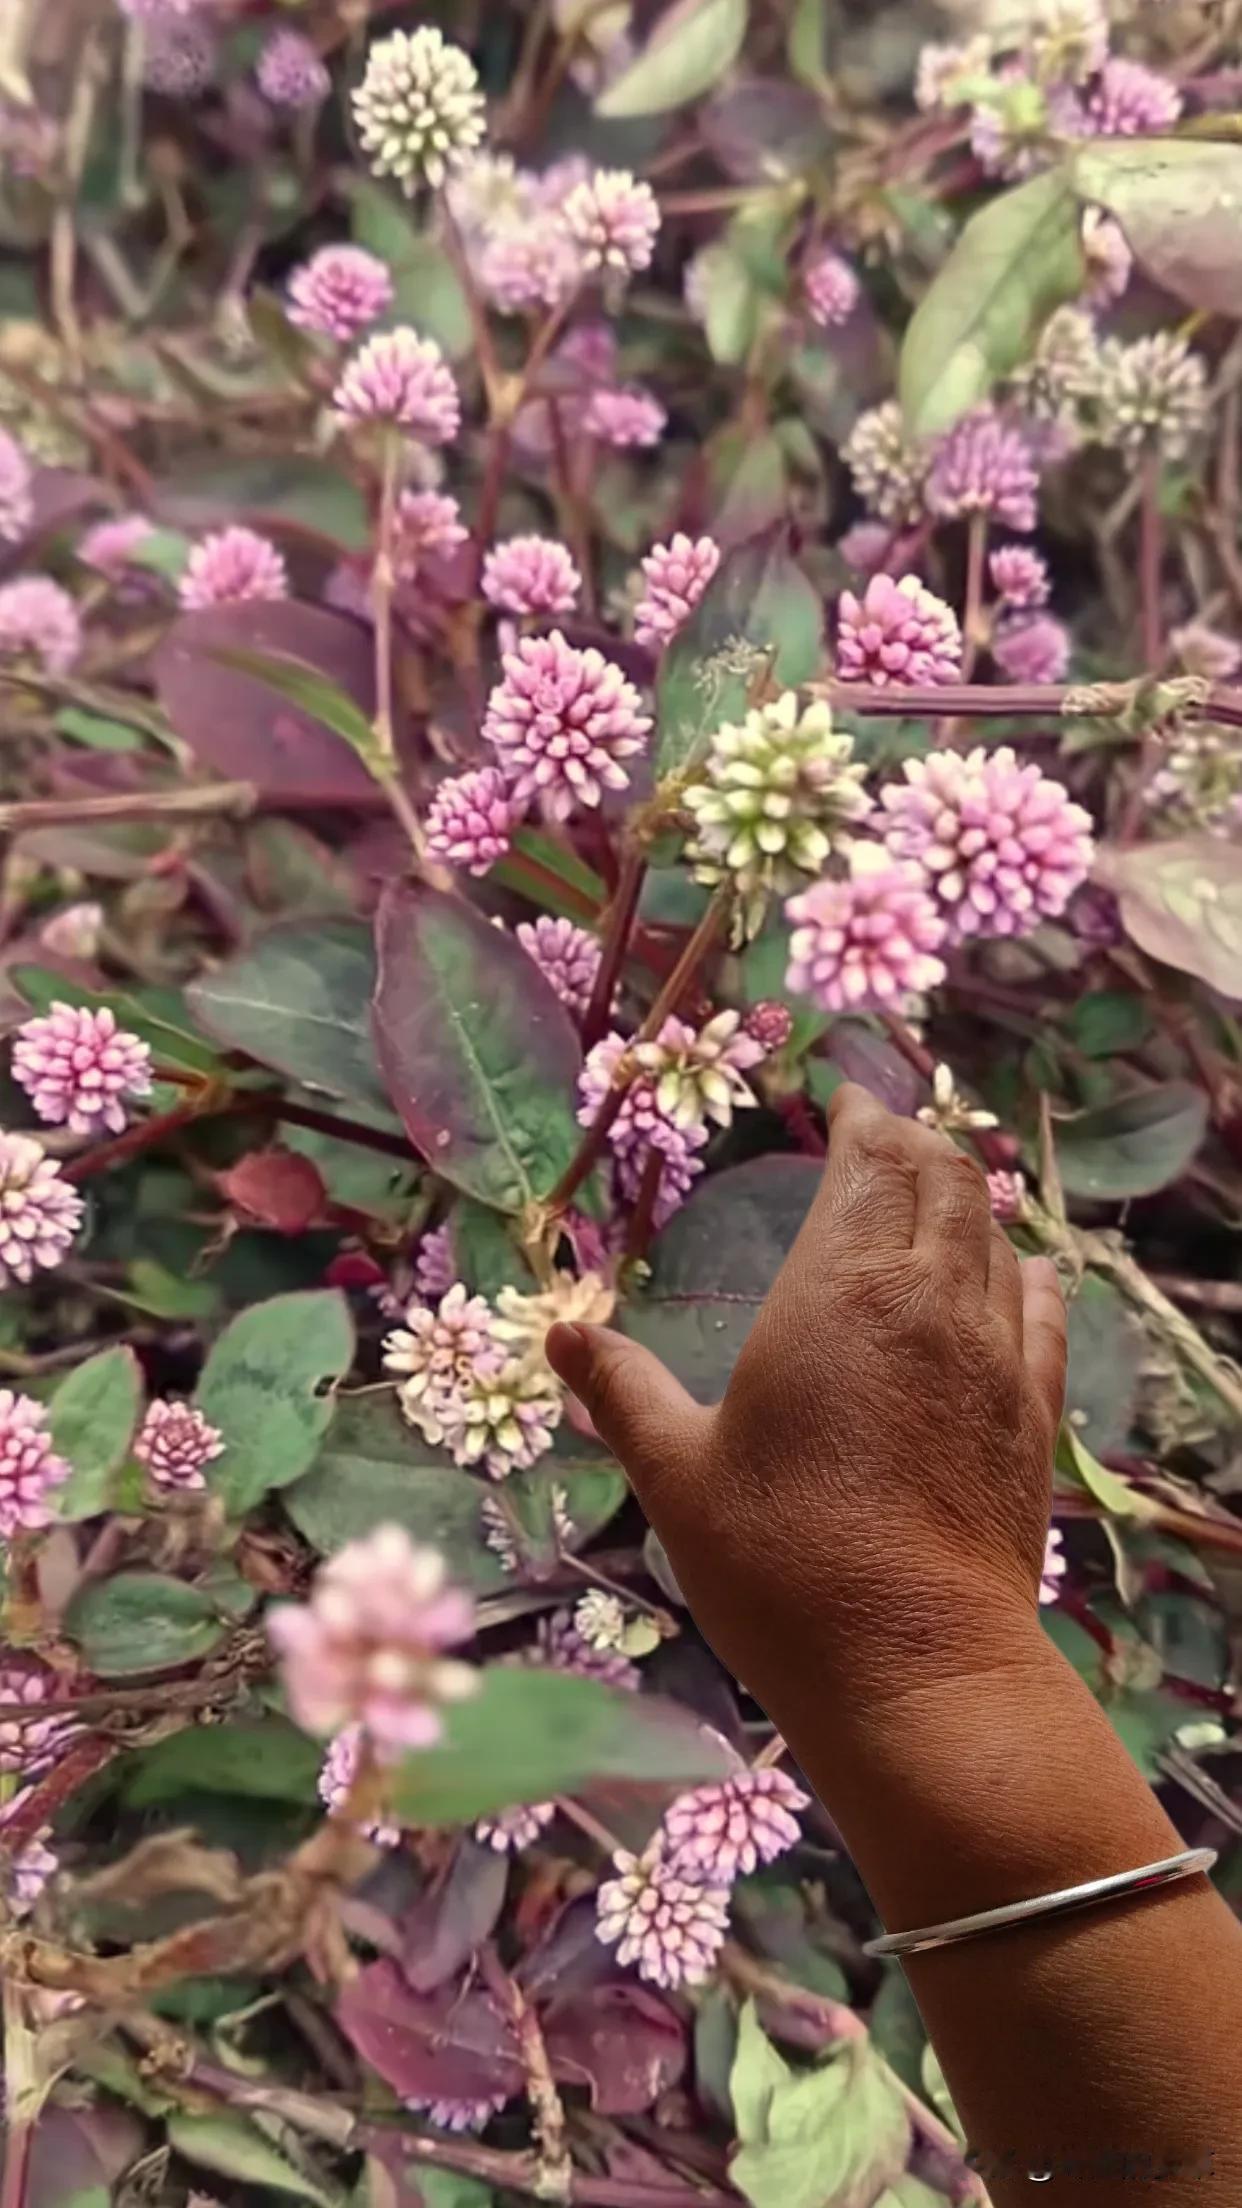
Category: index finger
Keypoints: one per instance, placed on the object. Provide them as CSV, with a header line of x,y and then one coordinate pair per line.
x,y
870,1183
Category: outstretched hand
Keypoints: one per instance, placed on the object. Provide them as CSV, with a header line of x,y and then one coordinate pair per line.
x,y
871,1497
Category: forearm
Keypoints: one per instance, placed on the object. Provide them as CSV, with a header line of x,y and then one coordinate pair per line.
x,y
1117,2031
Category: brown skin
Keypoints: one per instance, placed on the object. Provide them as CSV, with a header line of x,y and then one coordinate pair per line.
x,y
858,1529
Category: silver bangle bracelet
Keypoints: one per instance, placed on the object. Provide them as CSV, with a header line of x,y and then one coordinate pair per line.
x,y
1118,1887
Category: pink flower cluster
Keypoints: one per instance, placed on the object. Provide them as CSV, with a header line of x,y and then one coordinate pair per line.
x,y
626,417
25,1872
79,1068
566,956
39,622
232,567
899,632
290,72
39,1212
866,940
1000,846
614,221
29,1468
403,380
462,1387
176,1444
336,1781
531,575
368,1646
832,290
984,466
1131,101
561,722
560,1645
16,501
641,1127
675,576
339,292
109,546
427,526
471,818
28,1744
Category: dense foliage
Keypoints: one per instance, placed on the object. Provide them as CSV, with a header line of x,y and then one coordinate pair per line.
x,y
570,576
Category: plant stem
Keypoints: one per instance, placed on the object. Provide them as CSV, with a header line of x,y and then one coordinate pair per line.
x,y
499,443
147,1132
973,634
22,2097
1150,558
383,579
235,799
620,922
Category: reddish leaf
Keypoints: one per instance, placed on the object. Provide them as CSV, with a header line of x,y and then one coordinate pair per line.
x,y
79,2154
446,1924
275,1188
236,725
620,2041
450,2045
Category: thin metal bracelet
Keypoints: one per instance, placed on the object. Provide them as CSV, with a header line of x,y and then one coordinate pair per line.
x,y
1117,1888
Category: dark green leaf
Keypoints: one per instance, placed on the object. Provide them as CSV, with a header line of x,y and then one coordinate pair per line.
x,y
1134,1146
150,1286
1177,201
140,1621
269,1759
764,965
759,602
748,484
1106,1021
689,50
299,1000
92,1417
273,487
231,2146
529,1734
837,2133
1107,1353
160,1017
427,290
1015,261
1181,902
485,1253
266,1385
479,1054
807,40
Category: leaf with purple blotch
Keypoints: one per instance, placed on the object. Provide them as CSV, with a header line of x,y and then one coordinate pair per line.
x,y
232,722
620,2041
1178,201
450,2045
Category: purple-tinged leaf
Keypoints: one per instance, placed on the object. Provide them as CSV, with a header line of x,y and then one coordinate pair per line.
x,y
79,2154
1134,1146
758,597
854,1050
620,2041
765,128
479,1055
1181,902
1177,201
451,1919
232,721
447,2045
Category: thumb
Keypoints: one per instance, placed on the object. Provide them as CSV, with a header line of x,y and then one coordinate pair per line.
x,y
643,1414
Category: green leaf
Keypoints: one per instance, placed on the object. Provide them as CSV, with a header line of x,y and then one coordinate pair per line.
x,y
689,50
1178,202
732,300
1076,1463
97,733
836,2134
264,1386
162,552
479,1054
298,999
1181,902
231,2147
427,290
485,1254
92,1417
910,2192
141,1621
1015,261
311,691
1107,1353
451,2189
529,1734
758,602
1106,1021
748,483
375,1470
807,41
153,1288
764,965
160,1017
268,1760
1134,1146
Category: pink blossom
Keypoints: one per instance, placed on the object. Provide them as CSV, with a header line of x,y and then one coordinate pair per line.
x,y
162,11
471,819
614,220
875,547
1019,576
725,1831
175,1443
984,466
566,956
529,265
673,1927
513,1829
641,1126
458,2115
403,379
28,1744
29,1466
25,1872
16,501
1031,647
109,546
1006,1195
39,1212
629,416
232,567
179,59
531,575
367,1647
1205,651
899,633
561,722
435,1266
336,1781
1054,1568
78,1068
428,526
770,1024
39,621
560,1645
1001,845
675,576
1107,255
440,1354
867,940
290,72
340,291
832,290
1129,101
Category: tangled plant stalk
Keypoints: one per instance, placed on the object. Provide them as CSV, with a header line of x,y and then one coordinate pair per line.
x,y
562,594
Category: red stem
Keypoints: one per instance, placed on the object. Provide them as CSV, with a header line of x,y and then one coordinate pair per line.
x,y
1150,557
616,943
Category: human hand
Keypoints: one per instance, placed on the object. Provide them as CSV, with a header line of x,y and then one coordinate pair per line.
x,y
866,1510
